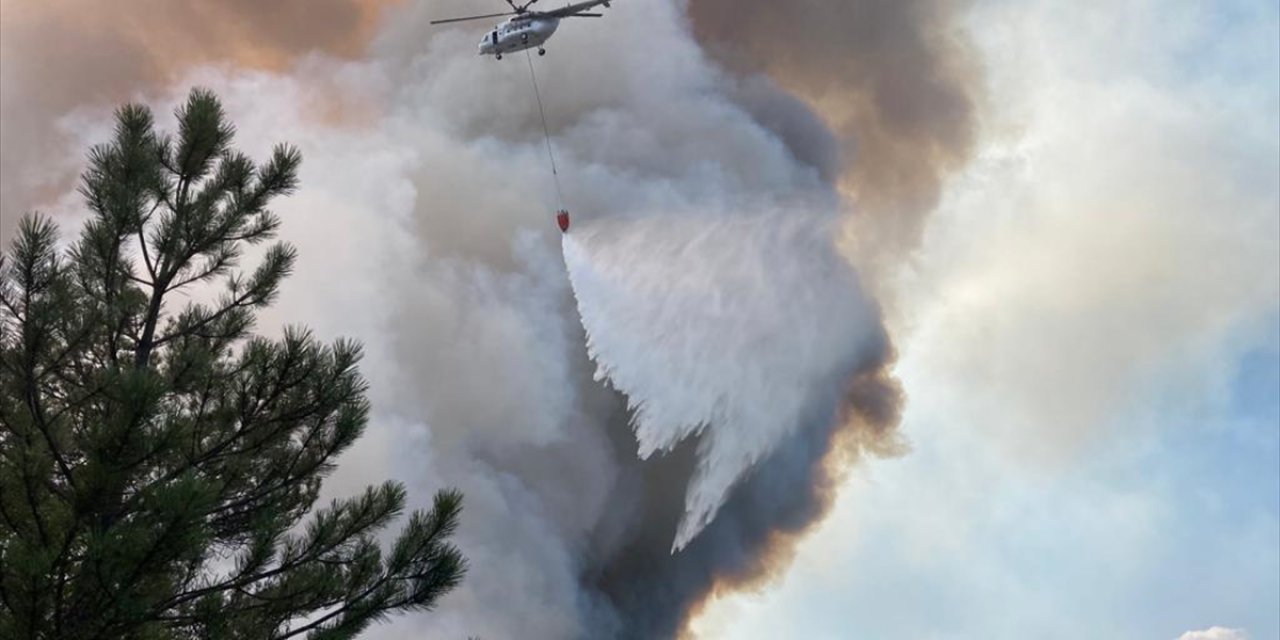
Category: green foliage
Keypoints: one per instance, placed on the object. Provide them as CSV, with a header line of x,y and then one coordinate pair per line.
x,y
158,465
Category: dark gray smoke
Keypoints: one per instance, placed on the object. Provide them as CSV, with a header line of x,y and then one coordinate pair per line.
x,y
652,592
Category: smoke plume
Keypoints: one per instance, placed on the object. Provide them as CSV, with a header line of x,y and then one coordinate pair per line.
x,y
744,364
893,79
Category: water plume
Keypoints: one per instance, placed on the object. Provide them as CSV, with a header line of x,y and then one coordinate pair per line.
x,y
724,328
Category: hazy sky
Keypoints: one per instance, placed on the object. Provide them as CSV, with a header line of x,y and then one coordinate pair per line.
x,y
1088,327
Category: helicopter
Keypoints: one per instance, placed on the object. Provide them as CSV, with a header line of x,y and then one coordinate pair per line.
x,y
527,29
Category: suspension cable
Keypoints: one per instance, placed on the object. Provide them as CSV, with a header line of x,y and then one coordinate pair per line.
x,y
546,132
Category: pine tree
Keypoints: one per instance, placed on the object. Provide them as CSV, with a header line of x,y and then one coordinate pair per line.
x,y
159,464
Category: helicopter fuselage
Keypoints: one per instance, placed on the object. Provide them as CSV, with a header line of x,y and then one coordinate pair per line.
x,y
518,34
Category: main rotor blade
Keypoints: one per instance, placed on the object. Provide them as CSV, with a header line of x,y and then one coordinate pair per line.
x,y
574,9
489,15
584,15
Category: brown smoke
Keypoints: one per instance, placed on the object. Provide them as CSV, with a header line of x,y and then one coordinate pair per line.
x,y
57,56
892,78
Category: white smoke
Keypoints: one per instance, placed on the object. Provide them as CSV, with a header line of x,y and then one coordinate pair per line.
x,y
721,326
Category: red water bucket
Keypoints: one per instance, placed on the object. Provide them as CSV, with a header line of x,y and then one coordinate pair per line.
x,y
562,218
